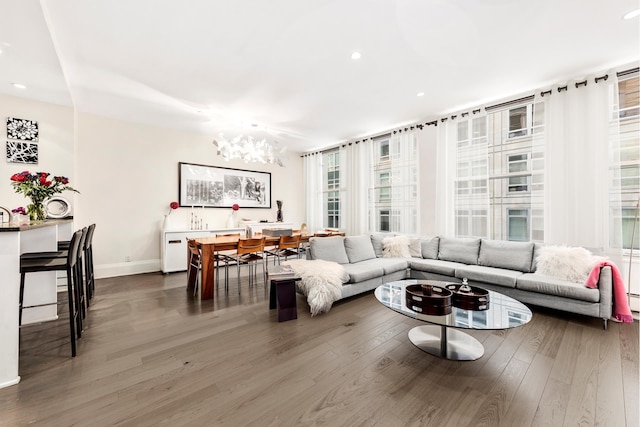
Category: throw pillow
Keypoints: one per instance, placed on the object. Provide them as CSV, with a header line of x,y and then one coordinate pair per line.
x,y
572,264
396,247
415,248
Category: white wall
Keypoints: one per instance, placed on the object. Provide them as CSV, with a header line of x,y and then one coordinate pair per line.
x,y
55,145
128,175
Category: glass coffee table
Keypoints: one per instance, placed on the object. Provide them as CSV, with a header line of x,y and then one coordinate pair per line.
x,y
443,337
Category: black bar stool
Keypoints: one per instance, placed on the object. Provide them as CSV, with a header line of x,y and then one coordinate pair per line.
x,y
88,264
74,284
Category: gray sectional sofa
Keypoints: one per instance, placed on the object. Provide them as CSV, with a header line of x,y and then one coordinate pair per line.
x,y
502,266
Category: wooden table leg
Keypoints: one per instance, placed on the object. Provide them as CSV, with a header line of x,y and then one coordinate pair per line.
x,y
208,272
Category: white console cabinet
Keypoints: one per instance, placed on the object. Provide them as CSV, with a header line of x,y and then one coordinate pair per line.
x,y
174,245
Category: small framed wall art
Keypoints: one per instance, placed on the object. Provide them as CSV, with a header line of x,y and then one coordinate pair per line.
x,y
22,129
22,152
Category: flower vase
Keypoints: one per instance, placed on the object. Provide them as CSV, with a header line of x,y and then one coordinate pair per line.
x,y
36,211
231,221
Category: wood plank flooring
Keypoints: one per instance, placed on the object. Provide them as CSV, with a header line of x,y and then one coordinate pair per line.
x,y
152,354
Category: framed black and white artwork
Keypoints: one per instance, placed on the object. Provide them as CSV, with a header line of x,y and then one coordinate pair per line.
x,y
22,129
22,152
216,187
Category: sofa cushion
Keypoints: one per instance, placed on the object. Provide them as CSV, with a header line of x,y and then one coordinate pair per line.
x,y
436,266
365,270
358,248
547,285
391,265
459,249
430,247
504,254
329,249
492,275
394,247
376,241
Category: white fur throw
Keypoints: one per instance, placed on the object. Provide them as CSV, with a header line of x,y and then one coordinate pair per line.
x,y
396,247
572,264
321,282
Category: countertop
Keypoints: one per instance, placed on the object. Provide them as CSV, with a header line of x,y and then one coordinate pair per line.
x,y
5,226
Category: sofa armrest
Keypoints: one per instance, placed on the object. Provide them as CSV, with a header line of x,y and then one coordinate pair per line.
x,y
605,286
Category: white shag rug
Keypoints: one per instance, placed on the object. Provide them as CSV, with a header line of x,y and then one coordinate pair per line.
x,y
321,282
572,264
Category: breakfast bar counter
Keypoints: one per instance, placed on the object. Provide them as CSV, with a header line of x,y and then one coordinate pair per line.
x,y
40,297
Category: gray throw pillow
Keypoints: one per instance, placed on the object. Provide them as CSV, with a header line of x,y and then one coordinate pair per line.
x,y
359,248
430,247
329,249
504,254
459,249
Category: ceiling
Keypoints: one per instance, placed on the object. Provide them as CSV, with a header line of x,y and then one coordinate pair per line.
x,y
213,66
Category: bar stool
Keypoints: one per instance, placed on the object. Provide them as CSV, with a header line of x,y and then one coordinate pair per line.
x,y
74,283
88,264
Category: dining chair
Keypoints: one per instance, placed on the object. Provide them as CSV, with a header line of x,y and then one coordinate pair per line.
x,y
250,252
287,246
224,257
195,265
69,264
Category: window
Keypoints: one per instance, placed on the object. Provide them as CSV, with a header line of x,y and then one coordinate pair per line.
x,y
471,223
331,188
384,151
518,119
626,173
518,225
628,97
394,196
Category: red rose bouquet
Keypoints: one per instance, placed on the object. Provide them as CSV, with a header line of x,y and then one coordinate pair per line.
x,y
39,187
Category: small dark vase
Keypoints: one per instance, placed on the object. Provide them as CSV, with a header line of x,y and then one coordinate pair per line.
x,y
279,213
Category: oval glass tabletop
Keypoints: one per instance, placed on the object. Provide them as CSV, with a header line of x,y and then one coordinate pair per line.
x,y
503,312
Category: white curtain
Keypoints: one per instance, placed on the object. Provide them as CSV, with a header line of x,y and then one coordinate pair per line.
x,y
581,135
355,180
445,178
314,208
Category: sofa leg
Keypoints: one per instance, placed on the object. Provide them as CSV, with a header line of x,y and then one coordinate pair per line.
x,y
604,324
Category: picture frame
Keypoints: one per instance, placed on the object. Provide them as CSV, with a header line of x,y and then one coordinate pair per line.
x,y
218,187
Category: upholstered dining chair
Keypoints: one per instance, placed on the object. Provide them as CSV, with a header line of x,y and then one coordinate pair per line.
x,y
250,252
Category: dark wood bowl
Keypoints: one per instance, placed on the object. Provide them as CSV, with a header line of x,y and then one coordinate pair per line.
x,y
469,297
428,299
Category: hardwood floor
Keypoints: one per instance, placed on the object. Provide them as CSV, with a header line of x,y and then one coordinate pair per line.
x,y
151,354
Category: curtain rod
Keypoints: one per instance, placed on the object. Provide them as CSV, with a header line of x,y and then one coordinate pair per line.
x,y
475,111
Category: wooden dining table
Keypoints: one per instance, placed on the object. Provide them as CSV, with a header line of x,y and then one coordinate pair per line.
x,y
211,245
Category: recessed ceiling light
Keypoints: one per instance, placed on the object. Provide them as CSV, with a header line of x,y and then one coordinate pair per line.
x,y
420,94
19,86
632,14
356,55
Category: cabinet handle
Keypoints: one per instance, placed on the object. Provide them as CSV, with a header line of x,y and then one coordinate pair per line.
x,y
171,242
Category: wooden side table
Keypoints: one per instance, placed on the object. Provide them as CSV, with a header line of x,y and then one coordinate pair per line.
x,y
282,296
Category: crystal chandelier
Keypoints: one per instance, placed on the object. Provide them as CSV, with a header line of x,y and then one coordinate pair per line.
x,y
248,149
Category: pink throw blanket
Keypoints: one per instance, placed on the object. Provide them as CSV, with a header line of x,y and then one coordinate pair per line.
x,y
621,310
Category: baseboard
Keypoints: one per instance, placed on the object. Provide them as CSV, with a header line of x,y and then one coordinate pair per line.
x,y
126,268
